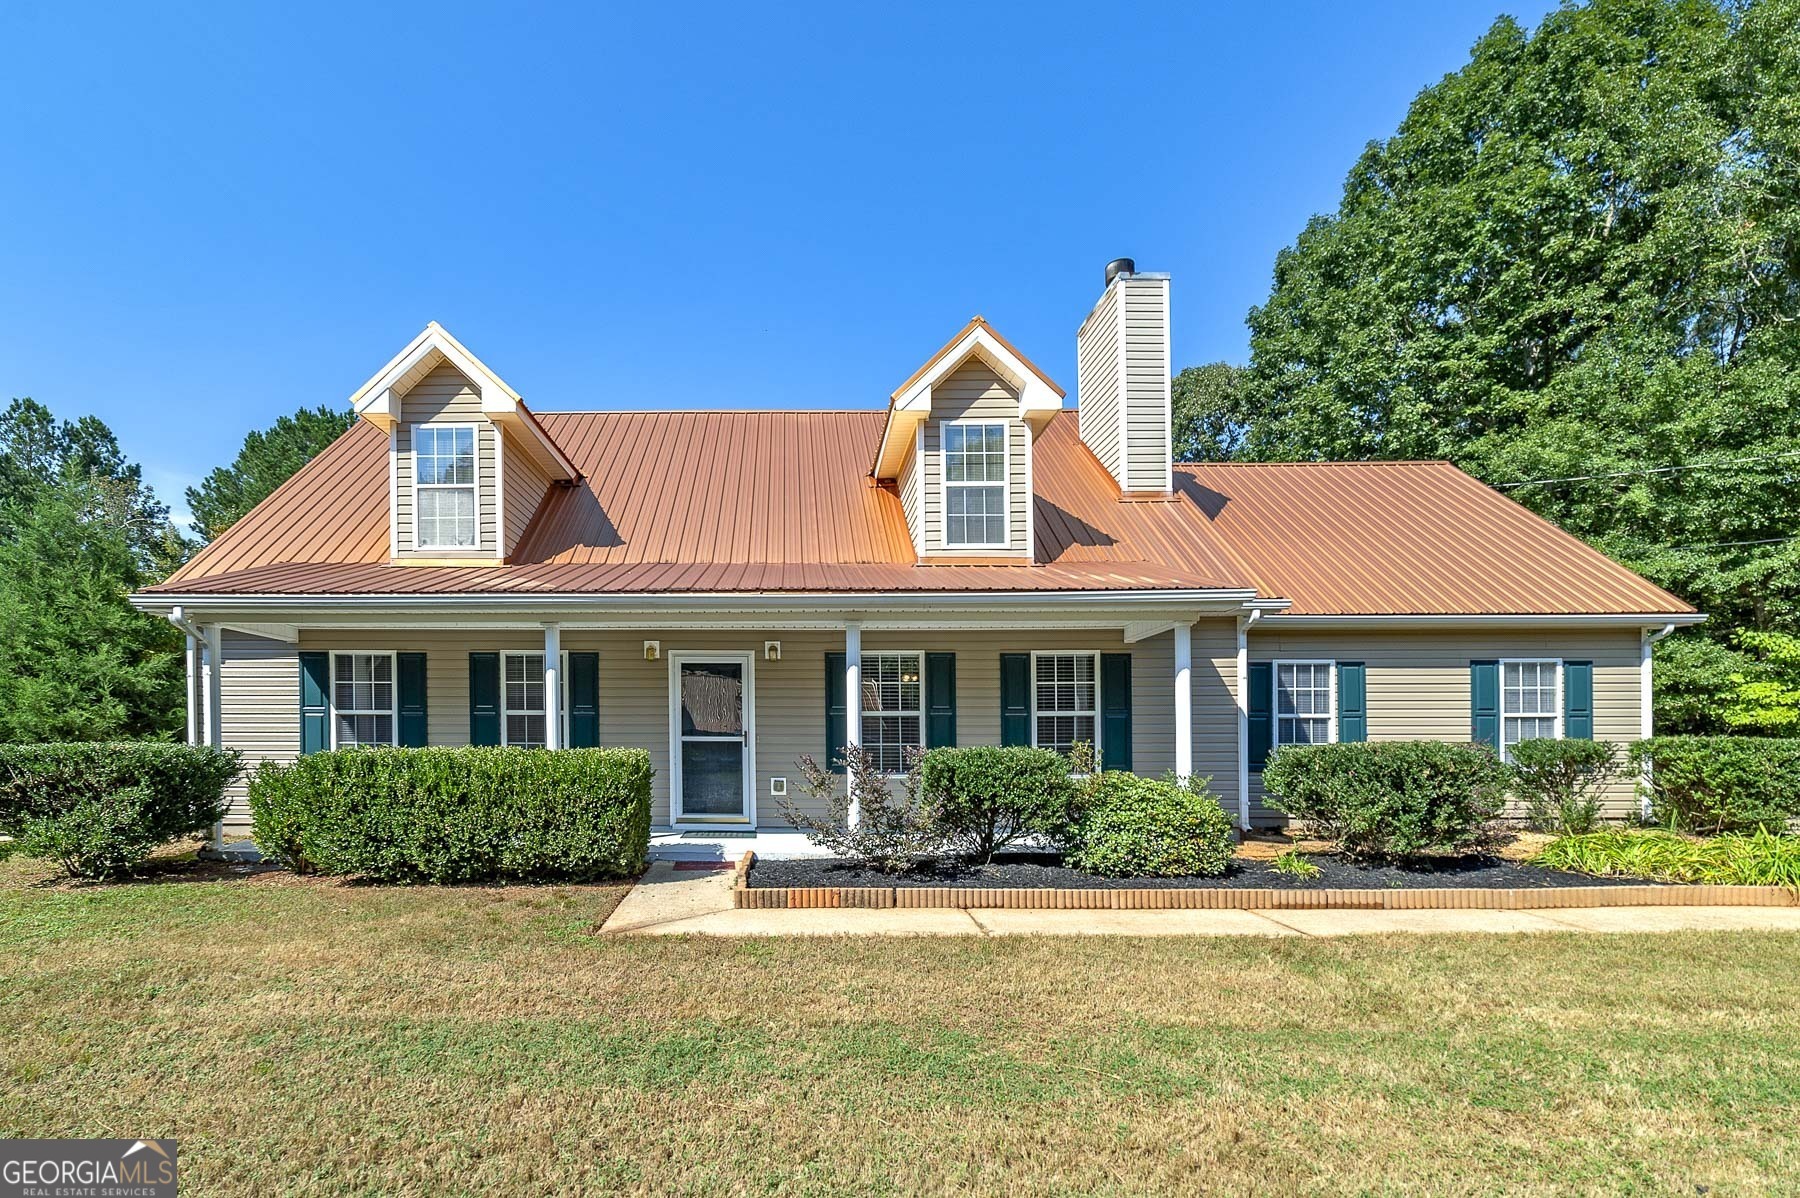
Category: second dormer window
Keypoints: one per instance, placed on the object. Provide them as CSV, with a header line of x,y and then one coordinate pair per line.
x,y
975,485
444,460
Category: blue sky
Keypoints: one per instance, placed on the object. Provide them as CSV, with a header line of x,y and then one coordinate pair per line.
x,y
210,216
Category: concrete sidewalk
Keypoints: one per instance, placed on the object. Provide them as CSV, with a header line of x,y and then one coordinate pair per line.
x,y
671,902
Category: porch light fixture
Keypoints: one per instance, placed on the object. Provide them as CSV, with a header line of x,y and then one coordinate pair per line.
x,y
652,650
771,650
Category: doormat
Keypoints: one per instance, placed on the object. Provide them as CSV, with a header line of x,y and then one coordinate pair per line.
x,y
711,866
718,836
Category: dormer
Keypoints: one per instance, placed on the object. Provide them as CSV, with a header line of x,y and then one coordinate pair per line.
x,y
468,464
957,446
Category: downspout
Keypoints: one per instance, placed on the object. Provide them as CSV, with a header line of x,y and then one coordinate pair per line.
x,y
1243,705
1646,708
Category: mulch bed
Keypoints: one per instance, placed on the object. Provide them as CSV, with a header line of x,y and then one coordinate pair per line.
x,y
1040,871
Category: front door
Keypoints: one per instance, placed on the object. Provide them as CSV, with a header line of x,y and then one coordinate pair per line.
x,y
711,759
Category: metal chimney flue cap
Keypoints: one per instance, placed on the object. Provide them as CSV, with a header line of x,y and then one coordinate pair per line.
x,y
1119,266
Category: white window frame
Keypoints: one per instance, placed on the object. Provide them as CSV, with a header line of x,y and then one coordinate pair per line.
x,y
1275,699
393,712
1005,483
473,487
866,712
562,684
1557,689
1099,698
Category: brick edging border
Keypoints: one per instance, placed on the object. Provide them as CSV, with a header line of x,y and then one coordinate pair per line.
x,y
743,897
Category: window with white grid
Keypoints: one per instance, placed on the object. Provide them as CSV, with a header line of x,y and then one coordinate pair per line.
x,y
893,708
1304,707
1530,702
975,485
522,701
1065,699
362,699
444,475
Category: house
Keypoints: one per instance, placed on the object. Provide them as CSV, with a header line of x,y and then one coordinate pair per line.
x,y
976,562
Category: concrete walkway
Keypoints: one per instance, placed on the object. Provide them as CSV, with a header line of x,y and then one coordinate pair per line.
x,y
670,902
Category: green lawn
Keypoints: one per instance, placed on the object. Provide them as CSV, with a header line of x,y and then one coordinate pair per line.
x,y
305,1036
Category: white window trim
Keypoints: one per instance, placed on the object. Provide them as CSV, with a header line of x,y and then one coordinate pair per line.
x,y
1275,741
863,677
1005,484
562,684
474,487
1099,698
1500,687
393,712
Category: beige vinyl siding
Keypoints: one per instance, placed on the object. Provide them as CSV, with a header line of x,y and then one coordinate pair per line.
x,y
259,710
1213,684
974,392
1418,682
1146,383
912,497
525,487
1097,370
445,397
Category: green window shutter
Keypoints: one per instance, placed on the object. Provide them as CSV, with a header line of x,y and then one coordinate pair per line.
x,y
315,712
410,669
1015,698
584,700
1578,700
1353,701
837,712
484,698
1261,703
1484,702
940,700
1115,711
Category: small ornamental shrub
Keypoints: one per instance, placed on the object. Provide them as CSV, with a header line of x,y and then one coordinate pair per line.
x,y
1559,783
1713,784
1127,826
99,809
986,797
1389,799
1759,859
892,831
457,814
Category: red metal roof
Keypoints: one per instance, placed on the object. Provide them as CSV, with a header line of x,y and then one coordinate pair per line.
x,y
684,502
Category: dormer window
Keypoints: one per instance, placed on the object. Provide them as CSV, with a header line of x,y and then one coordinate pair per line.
x,y
975,485
444,474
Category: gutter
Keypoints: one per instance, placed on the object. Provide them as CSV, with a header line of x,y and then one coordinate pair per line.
x,y
1672,620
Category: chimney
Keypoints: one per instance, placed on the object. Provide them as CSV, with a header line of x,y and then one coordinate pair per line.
x,y
1123,379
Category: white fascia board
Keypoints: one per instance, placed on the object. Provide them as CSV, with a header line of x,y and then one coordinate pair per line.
x,y
1569,620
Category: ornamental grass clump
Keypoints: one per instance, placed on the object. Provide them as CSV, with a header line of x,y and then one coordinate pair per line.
x,y
1758,859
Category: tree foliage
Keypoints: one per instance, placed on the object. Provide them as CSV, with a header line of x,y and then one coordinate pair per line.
x,y
268,458
79,531
1578,261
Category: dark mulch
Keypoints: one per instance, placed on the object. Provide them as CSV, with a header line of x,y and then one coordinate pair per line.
x,y
1033,871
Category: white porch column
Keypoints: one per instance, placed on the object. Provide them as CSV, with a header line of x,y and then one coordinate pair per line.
x,y
1243,716
553,738
192,661
1184,701
214,657
853,702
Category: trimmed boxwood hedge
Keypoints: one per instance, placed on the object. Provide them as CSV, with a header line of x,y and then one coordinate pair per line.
x,y
1391,798
1713,784
1127,826
100,808
457,814
985,797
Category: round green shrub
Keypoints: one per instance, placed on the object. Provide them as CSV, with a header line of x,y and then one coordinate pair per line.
x,y
984,797
1149,828
1714,784
1391,798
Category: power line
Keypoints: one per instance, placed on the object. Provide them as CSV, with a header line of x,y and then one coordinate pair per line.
x,y
1584,478
1736,544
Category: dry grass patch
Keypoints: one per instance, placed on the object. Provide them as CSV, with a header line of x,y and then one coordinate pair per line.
x,y
312,1037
